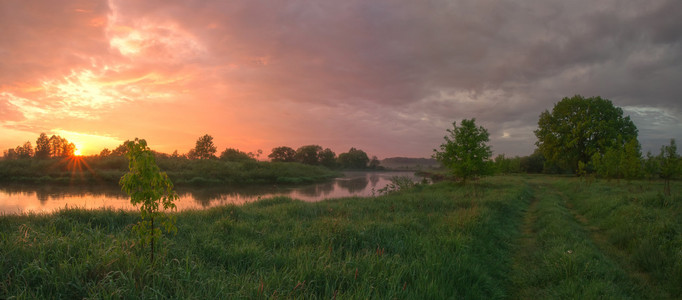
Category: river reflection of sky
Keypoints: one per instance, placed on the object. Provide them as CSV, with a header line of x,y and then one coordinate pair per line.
x,y
47,198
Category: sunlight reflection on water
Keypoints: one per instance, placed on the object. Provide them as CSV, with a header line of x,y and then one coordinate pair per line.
x,y
48,198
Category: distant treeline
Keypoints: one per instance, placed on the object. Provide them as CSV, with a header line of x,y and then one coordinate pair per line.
x,y
183,171
409,163
205,149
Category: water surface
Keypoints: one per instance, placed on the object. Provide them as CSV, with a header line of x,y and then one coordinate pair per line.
x,y
48,198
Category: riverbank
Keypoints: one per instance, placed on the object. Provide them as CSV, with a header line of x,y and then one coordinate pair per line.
x,y
108,170
504,237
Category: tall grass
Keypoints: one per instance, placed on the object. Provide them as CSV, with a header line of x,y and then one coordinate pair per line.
x,y
638,225
559,260
443,241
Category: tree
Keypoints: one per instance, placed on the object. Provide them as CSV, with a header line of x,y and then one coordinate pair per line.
x,y
55,146
25,151
328,158
578,128
353,159
231,154
283,154
10,154
652,166
42,147
309,155
465,151
374,163
61,147
204,148
150,188
670,164
533,163
105,152
120,150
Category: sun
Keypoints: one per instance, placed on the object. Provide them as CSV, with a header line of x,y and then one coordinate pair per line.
x,y
77,152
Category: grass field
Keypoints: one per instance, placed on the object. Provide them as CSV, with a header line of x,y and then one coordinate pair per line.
x,y
506,237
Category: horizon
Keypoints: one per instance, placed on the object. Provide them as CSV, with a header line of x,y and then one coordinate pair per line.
x,y
386,77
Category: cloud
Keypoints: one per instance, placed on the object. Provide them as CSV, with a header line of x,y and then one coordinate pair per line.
x,y
386,76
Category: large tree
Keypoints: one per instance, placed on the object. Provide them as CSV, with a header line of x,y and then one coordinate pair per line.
x,y
578,128
327,158
283,154
61,147
42,146
231,154
465,151
204,148
353,159
309,155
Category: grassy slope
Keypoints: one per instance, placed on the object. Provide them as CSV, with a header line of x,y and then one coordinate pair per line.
x,y
512,237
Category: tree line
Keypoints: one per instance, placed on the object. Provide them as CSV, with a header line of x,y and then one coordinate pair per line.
x,y
204,148
582,136
54,146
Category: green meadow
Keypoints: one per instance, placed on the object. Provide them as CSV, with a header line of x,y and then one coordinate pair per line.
x,y
501,237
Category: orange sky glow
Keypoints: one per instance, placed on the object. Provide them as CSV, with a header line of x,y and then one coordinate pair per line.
x,y
386,77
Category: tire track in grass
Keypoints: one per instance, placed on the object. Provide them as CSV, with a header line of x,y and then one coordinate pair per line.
x,y
527,248
556,257
643,279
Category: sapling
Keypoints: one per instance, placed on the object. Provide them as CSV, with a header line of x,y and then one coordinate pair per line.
x,y
150,188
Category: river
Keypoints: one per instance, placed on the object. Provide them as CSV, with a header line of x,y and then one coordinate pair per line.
x,y
48,198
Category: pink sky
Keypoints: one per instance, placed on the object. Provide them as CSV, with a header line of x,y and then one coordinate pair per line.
x,y
388,77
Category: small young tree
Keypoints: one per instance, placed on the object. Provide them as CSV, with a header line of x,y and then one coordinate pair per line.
x,y
465,151
670,164
150,188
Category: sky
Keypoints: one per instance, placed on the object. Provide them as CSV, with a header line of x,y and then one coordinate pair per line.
x,y
387,77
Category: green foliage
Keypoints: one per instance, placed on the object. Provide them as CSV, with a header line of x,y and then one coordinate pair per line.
x,y
465,151
309,155
328,158
283,154
669,164
150,188
353,159
506,165
579,128
400,183
620,161
652,166
533,163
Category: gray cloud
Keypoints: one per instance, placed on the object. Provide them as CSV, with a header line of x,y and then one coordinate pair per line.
x,y
388,76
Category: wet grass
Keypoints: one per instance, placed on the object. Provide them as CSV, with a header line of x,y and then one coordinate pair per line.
x,y
507,237
434,242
